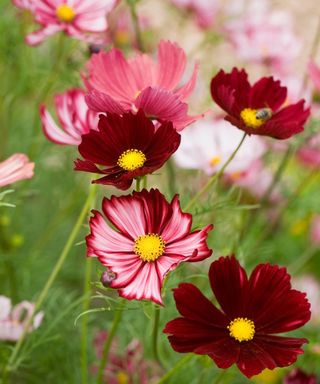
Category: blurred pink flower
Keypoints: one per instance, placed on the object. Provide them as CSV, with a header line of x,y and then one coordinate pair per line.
x,y
311,286
209,143
74,116
75,18
13,320
16,167
129,367
118,85
24,4
297,376
309,153
315,230
265,37
314,74
204,10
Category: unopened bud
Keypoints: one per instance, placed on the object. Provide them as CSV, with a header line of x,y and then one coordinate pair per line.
x,y
107,277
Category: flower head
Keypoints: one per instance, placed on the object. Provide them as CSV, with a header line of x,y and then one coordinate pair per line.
x,y
74,116
151,238
252,310
256,109
75,18
118,85
126,147
297,376
13,320
16,167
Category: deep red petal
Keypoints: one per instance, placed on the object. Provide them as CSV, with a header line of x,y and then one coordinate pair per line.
x,y
267,92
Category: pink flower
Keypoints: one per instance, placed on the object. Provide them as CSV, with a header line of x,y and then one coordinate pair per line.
x,y
265,37
13,320
16,167
311,286
74,115
75,18
25,4
309,154
209,143
315,230
314,73
205,11
118,85
151,238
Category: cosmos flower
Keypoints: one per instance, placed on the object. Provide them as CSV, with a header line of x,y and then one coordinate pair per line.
x,y
252,311
74,116
204,11
297,376
27,5
126,147
118,85
209,143
126,366
256,109
75,18
151,237
16,167
264,37
13,319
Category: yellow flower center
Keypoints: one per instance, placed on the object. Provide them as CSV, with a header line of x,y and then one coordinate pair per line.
x,y
241,329
131,159
254,118
149,247
122,378
215,160
65,13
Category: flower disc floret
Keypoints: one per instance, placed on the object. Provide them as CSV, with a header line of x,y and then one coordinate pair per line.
x,y
241,329
65,13
149,247
249,117
131,159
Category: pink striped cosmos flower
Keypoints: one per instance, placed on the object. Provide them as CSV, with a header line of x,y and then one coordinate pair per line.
x,y
16,167
118,85
76,18
151,238
74,116
13,319
27,5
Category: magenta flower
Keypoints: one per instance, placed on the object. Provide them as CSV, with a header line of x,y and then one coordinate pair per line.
x,y
74,116
151,238
75,18
118,85
16,167
13,320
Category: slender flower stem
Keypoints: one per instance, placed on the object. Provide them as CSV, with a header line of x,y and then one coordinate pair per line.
x,y
84,323
155,334
107,345
136,25
138,184
145,181
299,263
215,177
176,368
54,273
171,176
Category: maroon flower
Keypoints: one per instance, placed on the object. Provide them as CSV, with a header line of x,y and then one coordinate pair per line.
x,y
297,376
256,109
126,147
252,310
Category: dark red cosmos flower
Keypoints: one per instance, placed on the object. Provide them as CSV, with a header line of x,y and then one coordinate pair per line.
x,y
256,109
297,376
252,311
126,147
151,238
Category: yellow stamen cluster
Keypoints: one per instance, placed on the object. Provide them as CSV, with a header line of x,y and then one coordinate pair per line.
x,y
215,160
241,329
131,159
251,117
65,13
149,247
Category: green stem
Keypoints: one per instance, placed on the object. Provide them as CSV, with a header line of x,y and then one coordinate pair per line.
x,y
54,273
176,368
215,177
107,345
138,184
84,323
145,182
171,176
155,334
135,21
295,267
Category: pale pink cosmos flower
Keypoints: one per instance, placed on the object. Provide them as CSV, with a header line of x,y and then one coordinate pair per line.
x,y
13,319
27,5
209,143
309,153
16,167
81,19
314,74
205,11
315,230
265,37
118,85
310,285
74,116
